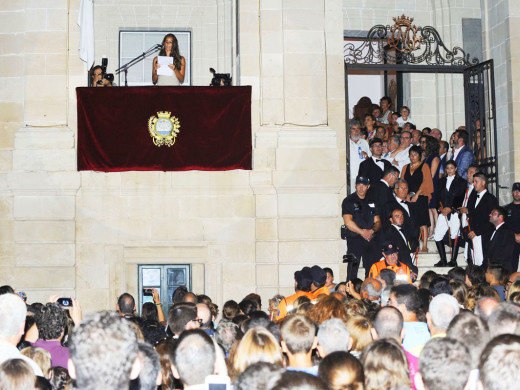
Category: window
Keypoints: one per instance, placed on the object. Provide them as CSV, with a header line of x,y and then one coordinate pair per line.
x,y
134,43
165,279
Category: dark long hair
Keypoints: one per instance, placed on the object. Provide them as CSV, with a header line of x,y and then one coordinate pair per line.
x,y
175,50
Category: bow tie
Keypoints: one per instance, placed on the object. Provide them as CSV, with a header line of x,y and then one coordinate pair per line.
x,y
378,160
403,201
478,196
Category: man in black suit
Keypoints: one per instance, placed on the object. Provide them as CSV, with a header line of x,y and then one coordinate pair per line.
x,y
480,205
409,210
381,191
398,235
375,166
502,243
513,222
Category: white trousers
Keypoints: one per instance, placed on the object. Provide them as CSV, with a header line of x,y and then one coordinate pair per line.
x,y
476,250
442,227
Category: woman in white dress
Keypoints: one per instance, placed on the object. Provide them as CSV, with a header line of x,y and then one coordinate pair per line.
x,y
170,48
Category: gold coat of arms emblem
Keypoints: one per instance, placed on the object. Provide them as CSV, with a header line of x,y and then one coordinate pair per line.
x,y
163,128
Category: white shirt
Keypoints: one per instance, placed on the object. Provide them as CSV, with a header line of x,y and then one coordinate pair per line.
x,y
380,163
354,158
403,204
465,204
403,158
479,197
456,152
9,351
493,235
449,180
400,121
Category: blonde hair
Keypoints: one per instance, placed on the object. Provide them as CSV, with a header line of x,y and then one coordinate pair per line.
x,y
385,365
41,356
16,374
257,345
359,328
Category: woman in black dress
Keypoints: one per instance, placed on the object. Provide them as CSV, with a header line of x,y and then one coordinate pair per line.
x,y
420,184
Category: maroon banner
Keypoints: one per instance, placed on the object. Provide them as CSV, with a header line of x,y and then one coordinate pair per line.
x,y
117,126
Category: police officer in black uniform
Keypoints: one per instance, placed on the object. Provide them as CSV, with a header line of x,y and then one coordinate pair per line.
x,y
513,222
361,221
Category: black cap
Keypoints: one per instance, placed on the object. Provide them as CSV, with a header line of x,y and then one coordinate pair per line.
x,y
362,180
318,274
376,141
389,248
516,186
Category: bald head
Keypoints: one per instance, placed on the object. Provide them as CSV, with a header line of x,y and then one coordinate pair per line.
x,y
436,133
371,289
204,314
190,297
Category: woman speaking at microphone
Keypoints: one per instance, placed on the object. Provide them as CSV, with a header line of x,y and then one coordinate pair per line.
x,y
170,48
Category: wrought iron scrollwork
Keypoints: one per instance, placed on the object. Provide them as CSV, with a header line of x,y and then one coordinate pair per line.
x,y
405,43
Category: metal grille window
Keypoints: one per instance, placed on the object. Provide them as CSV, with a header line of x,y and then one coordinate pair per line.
x,y
134,43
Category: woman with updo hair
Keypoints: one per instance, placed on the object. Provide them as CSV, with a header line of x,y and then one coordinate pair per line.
x,y
342,371
359,328
385,365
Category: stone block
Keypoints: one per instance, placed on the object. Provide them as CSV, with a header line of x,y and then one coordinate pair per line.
x,y
43,42
306,111
315,205
45,254
272,88
12,5
266,293
305,64
92,276
89,254
238,279
61,182
12,43
57,19
184,229
308,228
303,19
40,277
286,275
266,251
272,64
47,87
7,257
100,180
145,180
6,230
307,160
271,42
35,20
93,300
266,229
300,41
235,229
12,22
44,231
266,206
315,252
44,160
6,160
11,111
44,112
12,89
271,20
7,133
134,229
267,275
44,207
273,111
94,230
56,64
11,66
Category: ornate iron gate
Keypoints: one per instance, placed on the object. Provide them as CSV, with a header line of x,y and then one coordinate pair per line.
x,y
404,47
481,123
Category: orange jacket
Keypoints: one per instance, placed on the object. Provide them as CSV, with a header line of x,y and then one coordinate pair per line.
x,y
322,290
286,304
399,268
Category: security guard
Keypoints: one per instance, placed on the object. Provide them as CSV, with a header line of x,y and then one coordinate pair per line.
x,y
513,222
361,219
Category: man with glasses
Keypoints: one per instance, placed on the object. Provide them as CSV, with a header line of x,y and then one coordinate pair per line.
x,y
402,157
359,151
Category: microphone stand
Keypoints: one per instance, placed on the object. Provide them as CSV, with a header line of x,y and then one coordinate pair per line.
x,y
124,68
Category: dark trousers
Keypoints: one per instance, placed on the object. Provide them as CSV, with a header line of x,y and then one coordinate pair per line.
x,y
363,250
514,259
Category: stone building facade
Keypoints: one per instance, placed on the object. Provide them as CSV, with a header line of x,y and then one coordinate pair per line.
x,y
83,234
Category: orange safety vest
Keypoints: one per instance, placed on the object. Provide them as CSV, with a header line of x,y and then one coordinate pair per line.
x,y
399,269
286,304
322,290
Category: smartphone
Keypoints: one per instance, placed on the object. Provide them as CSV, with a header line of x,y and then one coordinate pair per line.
x,y
23,295
65,302
147,291
218,382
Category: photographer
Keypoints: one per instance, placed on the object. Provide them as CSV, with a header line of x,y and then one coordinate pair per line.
x,y
99,79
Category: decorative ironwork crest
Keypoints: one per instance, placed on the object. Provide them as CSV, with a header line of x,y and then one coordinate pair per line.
x,y
405,43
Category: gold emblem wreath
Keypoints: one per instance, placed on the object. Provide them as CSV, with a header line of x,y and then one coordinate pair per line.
x,y
167,139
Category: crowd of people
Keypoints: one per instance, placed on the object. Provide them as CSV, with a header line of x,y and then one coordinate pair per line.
x,y
409,186
455,331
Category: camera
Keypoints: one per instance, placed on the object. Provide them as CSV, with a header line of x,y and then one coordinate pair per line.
x,y
350,258
22,295
147,291
65,302
106,76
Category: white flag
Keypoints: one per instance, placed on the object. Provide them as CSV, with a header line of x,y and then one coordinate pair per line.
x,y
86,39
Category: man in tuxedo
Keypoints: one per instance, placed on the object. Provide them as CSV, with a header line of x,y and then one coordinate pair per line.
x,y
480,205
463,210
381,191
462,155
374,167
408,208
443,153
513,222
396,234
502,241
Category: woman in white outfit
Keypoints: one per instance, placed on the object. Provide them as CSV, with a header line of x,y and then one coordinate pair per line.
x,y
170,48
